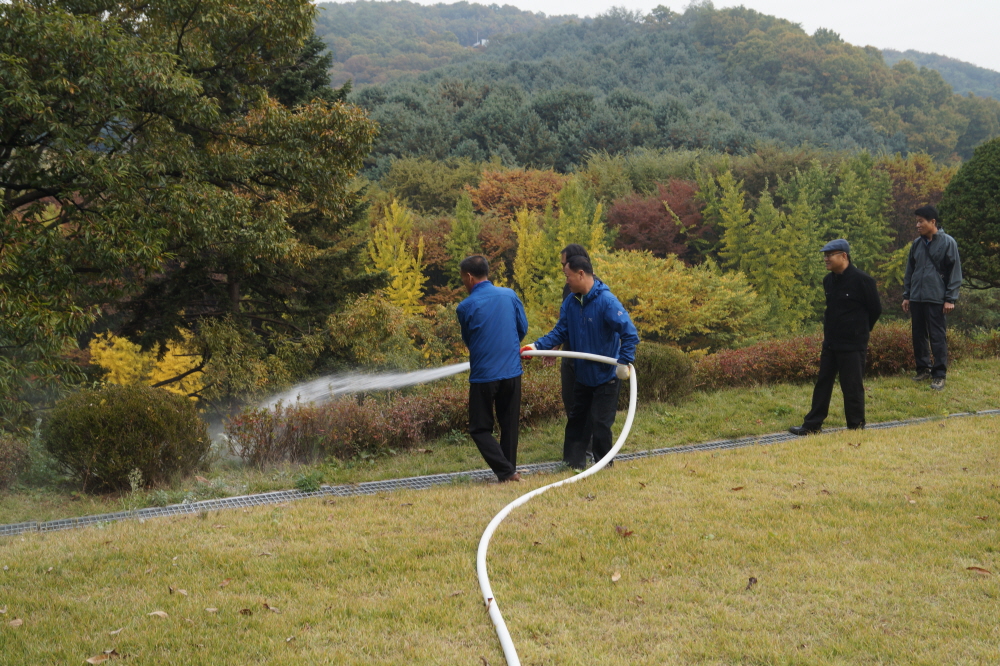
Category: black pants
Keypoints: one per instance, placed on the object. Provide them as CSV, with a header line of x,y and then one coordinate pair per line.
x,y
929,322
567,376
505,396
590,420
851,368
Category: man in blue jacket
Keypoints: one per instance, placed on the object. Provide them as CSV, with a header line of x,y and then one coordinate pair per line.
x,y
493,324
593,321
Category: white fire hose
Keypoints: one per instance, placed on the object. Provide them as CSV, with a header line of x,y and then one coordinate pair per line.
x,y
509,652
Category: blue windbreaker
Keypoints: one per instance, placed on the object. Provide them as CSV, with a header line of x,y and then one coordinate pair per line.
x,y
595,323
493,325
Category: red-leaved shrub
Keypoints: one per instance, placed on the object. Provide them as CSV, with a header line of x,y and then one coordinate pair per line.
x,y
663,223
890,352
13,458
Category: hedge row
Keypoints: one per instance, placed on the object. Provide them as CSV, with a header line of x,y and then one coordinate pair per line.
x,y
890,352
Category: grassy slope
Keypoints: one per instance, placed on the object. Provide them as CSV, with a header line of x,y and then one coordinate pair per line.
x,y
972,386
860,543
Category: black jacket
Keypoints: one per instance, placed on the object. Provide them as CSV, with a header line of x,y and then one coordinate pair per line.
x,y
852,308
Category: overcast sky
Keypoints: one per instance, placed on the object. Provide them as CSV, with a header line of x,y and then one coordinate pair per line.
x,y
963,29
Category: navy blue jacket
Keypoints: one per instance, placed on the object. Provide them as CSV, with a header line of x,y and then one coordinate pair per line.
x,y
595,323
493,324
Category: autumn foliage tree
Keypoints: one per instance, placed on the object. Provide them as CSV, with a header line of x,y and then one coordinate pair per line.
x,y
665,223
143,156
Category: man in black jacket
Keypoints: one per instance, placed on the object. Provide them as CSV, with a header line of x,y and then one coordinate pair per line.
x,y
852,308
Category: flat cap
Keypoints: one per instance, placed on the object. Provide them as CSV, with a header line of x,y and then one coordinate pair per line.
x,y
839,245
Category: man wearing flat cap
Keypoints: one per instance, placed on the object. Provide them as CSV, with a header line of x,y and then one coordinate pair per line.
x,y
852,308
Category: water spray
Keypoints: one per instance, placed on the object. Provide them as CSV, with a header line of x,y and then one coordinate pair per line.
x,y
325,388
509,652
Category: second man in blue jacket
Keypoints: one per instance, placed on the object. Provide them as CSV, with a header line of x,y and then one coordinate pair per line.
x,y
593,321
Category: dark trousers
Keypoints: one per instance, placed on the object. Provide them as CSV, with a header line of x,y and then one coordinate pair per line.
x,y
590,420
505,397
851,368
567,376
929,322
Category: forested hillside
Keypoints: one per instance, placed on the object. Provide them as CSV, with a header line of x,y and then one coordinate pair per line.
x,y
964,77
373,42
724,80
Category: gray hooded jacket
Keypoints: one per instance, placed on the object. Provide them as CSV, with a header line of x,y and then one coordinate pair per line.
x,y
933,270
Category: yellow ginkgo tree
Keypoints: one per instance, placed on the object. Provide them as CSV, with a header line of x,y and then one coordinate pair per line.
x,y
124,362
391,250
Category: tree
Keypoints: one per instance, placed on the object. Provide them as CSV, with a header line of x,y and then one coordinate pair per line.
x,y
463,240
392,252
139,146
970,211
697,306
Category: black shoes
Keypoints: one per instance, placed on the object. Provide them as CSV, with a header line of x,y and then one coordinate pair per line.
x,y
802,431
937,383
922,376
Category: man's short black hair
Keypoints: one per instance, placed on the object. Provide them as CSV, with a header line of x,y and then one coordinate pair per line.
x,y
928,212
580,263
574,250
477,266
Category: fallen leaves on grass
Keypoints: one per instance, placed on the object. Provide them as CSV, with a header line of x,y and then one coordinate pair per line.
x,y
177,590
16,622
425,450
103,657
737,488
616,576
979,570
200,479
158,614
211,610
115,632
269,607
246,611
624,532
982,517
225,582
455,593
752,582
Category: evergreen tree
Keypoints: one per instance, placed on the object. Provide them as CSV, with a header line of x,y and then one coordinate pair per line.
x,y
463,240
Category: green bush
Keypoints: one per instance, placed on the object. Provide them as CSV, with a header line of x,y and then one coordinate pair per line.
x,y
665,374
101,436
13,458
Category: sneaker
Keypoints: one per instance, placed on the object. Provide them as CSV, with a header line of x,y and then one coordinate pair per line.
x,y
802,431
922,376
513,477
937,383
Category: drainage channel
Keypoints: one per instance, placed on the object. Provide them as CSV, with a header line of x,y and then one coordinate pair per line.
x,y
411,483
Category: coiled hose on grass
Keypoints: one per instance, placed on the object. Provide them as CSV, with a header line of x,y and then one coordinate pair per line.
x,y
509,651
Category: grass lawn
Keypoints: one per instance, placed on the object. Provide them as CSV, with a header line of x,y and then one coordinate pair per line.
x,y
972,386
879,547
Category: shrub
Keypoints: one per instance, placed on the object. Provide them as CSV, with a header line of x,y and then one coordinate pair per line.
x,y
665,373
790,360
13,458
984,344
356,425
100,436
890,352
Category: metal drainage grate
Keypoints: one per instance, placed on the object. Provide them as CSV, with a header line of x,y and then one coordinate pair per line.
x,y
410,483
